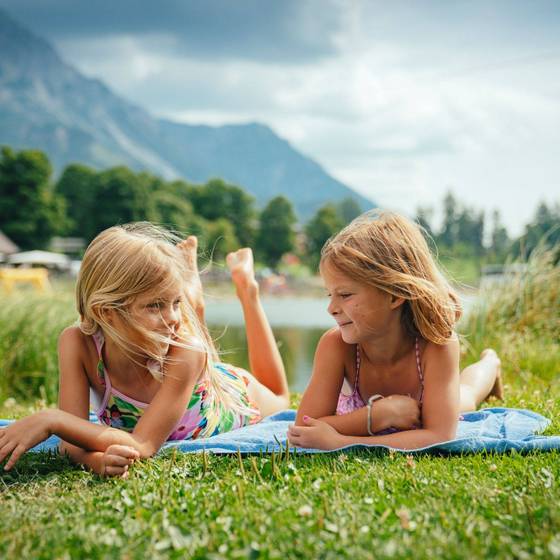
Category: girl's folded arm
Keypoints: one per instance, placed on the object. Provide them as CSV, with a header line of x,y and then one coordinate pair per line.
x,y
321,396
440,410
70,422
93,460
185,367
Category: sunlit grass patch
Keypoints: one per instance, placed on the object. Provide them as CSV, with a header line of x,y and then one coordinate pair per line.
x,y
341,505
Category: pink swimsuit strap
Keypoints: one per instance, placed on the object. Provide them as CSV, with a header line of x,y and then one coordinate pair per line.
x,y
104,378
418,366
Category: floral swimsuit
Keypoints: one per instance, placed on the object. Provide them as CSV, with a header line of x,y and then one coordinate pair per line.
x,y
205,415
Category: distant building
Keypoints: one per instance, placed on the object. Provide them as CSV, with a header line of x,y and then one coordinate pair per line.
x,y
68,245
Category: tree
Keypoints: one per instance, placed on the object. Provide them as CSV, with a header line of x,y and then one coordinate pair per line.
x,y
77,185
544,230
30,211
123,196
499,238
470,229
448,235
218,199
174,210
276,230
348,209
321,227
219,239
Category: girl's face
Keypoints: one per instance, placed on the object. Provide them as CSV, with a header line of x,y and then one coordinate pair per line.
x,y
361,311
159,313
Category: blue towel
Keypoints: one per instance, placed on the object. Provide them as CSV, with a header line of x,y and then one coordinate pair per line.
x,y
490,429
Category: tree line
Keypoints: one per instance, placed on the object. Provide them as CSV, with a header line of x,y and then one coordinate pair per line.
x,y
83,201
465,231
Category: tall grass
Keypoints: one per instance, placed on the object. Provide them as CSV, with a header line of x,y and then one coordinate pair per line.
x,y
29,328
520,318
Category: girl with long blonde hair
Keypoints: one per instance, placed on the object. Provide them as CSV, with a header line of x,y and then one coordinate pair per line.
x,y
142,358
388,373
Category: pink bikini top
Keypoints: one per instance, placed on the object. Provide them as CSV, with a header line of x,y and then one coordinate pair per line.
x,y
354,401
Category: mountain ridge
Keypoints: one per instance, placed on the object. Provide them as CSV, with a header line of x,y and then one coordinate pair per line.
x,y
47,104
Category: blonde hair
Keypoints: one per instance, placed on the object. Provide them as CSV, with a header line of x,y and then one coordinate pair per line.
x,y
388,251
125,262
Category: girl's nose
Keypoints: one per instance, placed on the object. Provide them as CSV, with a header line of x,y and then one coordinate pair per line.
x,y
332,308
171,317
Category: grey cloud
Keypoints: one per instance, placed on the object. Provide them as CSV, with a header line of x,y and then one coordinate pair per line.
x,y
277,31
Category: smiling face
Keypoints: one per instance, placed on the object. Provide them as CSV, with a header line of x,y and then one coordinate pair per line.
x,y
361,311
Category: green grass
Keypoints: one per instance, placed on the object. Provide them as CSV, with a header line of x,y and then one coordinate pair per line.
x,y
346,505
30,324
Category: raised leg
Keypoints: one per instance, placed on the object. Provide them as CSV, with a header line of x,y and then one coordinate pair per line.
x,y
193,287
481,380
271,392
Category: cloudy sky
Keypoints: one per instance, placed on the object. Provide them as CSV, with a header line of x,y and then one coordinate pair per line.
x,y
400,100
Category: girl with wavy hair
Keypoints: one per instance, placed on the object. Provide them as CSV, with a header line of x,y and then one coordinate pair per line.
x,y
388,373
142,358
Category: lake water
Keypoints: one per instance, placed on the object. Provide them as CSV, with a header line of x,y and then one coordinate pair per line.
x,y
298,324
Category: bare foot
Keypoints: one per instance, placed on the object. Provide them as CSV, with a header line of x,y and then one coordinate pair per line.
x,y
498,387
193,286
240,264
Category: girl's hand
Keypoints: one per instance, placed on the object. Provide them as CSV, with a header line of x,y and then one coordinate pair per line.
x,y
24,434
316,434
399,412
117,459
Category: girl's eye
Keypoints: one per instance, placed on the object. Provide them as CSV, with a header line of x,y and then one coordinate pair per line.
x,y
344,296
154,305
176,303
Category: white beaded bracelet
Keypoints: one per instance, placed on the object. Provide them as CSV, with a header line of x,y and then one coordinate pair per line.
x,y
370,402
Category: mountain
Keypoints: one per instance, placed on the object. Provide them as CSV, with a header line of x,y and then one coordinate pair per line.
x,y
47,104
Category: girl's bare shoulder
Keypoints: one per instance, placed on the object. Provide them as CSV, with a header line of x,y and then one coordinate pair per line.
x,y
449,351
77,353
73,340
331,342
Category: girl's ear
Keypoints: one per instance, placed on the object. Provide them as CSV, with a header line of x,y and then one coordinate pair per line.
x,y
107,315
396,302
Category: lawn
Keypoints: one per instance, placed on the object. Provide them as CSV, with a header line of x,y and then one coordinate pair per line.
x,y
343,505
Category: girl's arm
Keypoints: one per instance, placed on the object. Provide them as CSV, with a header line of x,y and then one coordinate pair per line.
x,y
155,425
440,411
73,395
82,438
73,398
321,396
